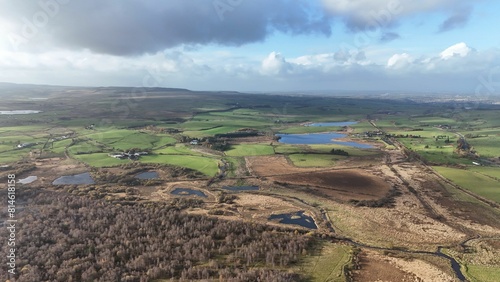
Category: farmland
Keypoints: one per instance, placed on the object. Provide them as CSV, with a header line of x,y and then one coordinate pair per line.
x,y
387,206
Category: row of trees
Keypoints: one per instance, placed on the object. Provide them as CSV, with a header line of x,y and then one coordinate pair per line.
x,y
71,238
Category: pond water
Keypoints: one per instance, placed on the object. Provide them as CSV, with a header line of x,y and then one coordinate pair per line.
x,y
188,192
319,138
27,180
241,188
19,112
148,175
297,218
342,123
82,178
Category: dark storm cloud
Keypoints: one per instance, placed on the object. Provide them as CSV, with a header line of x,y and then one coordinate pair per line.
x,y
134,27
457,20
389,36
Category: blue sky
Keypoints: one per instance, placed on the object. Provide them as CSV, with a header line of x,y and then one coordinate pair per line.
x,y
259,45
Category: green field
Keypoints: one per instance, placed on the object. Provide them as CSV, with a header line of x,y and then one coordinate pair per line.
x,y
123,139
479,273
100,160
8,157
493,172
178,149
207,166
250,150
311,129
328,264
477,183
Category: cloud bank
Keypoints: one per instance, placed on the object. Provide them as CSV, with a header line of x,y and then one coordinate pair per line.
x,y
133,27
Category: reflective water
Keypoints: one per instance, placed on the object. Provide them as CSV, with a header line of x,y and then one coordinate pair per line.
x,y
27,180
78,179
319,138
148,175
19,112
188,192
297,218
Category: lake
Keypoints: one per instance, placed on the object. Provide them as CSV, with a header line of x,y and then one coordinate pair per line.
x,y
77,179
188,192
27,180
319,138
241,188
297,218
342,123
148,175
19,112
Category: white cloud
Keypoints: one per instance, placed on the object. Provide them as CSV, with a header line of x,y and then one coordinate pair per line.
x,y
460,49
398,61
275,64
213,70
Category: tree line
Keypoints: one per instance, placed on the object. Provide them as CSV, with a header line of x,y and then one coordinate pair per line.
x,y
74,238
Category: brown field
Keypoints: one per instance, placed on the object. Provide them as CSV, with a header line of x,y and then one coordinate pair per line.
x,y
343,184
375,267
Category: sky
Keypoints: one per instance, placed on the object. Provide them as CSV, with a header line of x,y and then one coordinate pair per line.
x,y
431,46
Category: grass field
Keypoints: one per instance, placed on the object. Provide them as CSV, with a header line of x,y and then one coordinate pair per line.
x,y
7,157
493,172
351,150
250,150
123,139
178,149
328,264
477,183
207,166
310,129
479,273
100,160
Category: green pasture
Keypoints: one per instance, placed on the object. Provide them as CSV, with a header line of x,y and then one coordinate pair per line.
x,y
205,165
178,149
4,148
85,147
483,273
323,148
249,150
477,183
100,160
486,146
123,139
13,156
489,171
59,146
327,264
311,129
290,149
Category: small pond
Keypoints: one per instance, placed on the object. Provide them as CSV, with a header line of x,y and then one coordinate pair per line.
x,y
188,192
148,175
27,180
297,218
19,112
241,188
319,138
82,178
342,123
